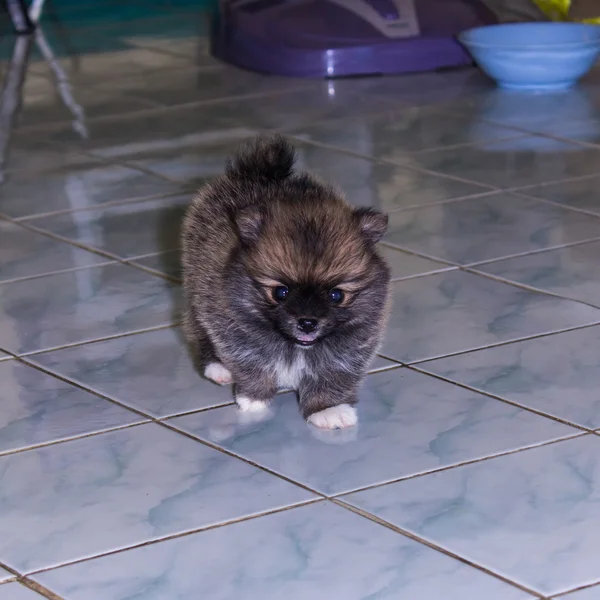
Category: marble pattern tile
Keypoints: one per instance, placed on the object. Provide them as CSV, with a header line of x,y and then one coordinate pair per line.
x,y
86,304
150,371
572,272
293,111
172,87
557,374
167,263
385,187
42,105
95,69
188,157
490,227
537,528
308,552
38,409
512,163
169,132
78,187
590,593
409,423
93,495
404,265
25,253
576,193
124,230
16,591
456,311
394,136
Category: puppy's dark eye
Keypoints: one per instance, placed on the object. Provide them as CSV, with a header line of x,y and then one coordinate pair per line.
x,y
280,293
336,296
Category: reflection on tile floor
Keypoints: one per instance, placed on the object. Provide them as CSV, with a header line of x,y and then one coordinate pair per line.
x,y
474,471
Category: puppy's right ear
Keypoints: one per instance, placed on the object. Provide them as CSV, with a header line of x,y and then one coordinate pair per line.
x,y
249,223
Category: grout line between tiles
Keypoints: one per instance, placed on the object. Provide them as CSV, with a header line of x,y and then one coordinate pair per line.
x,y
94,250
581,588
508,401
489,261
433,546
92,341
81,436
40,589
496,345
405,165
187,533
527,287
59,272
100,207
464,463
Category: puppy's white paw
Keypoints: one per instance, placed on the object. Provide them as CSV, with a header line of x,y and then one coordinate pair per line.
x,y
246,404
335,417
218,373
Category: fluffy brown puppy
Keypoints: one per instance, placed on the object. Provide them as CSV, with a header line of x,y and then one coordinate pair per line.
x,y
284,287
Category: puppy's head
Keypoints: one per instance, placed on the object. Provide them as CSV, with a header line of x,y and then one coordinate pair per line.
x,y
311,260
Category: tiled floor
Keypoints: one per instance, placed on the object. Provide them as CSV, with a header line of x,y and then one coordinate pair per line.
x,y
474,473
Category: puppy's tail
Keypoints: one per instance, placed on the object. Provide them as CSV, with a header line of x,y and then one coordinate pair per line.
x,y
266,159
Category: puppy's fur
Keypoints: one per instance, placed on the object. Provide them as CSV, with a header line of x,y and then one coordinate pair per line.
x,y
284,287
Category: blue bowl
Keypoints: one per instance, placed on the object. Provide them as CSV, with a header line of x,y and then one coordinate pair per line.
x,y
534,56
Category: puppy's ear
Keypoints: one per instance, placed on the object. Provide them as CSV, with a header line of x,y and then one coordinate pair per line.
x,y
249,223
373,224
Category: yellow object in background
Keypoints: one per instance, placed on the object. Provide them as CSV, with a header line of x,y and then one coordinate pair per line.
x,y
558,10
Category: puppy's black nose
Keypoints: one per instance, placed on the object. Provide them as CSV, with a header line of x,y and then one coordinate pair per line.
x,y
307,325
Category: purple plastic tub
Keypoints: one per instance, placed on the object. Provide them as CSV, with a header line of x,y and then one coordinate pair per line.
x,y
333,38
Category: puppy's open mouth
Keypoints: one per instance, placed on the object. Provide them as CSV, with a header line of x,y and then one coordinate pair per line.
x,y
306,343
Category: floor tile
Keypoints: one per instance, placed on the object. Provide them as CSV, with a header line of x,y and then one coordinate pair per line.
x,y
579,193
517,163
385,187
419,421
456,311
16,591
37,409
150,371
295,110
556,113
4,575
170,132
24,253
591,593
30,153
43,104
395,135
89,69
404,265
538,528
191,159
76,187
124,230
168,263
494,226
311,551
572,272
557,375
82,305
98,494
174,87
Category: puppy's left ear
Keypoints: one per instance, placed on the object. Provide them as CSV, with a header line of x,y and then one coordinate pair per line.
x,y
249,223
373,224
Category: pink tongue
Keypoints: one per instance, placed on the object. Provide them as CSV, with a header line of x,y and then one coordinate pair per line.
x,y
306,337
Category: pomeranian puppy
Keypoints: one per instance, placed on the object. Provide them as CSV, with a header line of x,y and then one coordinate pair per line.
x,y
283,285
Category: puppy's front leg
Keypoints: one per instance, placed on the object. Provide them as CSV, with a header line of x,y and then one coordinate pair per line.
x,y
253,391
329,403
